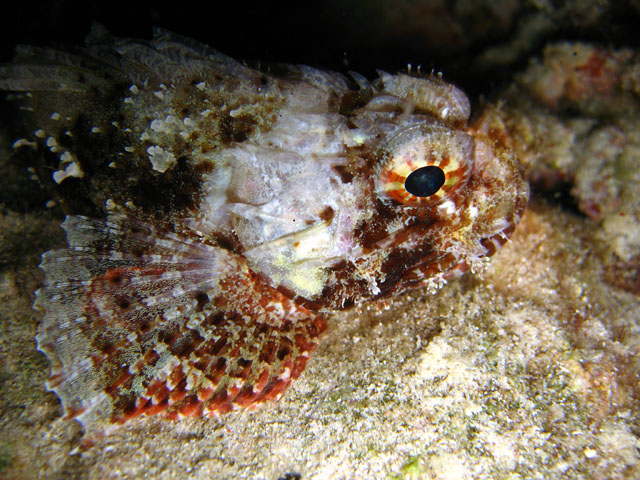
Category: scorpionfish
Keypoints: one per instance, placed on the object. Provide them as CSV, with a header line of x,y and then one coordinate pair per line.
x,y
217,213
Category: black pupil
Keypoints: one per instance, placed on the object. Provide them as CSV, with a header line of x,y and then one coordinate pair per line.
x,y
424,181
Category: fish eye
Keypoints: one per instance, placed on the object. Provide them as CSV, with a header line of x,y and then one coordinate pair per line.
x,y
424,164
425,181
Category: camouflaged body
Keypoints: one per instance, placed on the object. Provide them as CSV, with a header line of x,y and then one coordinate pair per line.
x,y
241,206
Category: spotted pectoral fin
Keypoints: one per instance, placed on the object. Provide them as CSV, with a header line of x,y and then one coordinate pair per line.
x,y
139,322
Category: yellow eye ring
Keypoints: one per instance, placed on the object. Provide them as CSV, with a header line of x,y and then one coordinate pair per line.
x,y
424,164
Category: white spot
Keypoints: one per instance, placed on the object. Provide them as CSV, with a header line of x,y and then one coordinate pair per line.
x,y
192,378
55,116
177,291
115,255
72,170
134,89
110,204
67,157
150,301
50,204
160,160
238,384
23,142
129,148
434,284
473,211
201,85
354,137
95,130
157,125
206,113
128,100
168,275
40,133
448,207
159,94
160,348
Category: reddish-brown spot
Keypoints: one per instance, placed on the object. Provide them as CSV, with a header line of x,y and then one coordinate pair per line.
x,y
286,292
262,379
273,390
168,336
445,160
185,344
205,393
154,409
177,393
242,370
202,363
151,358
285,348
595,66
489,245
125,408
192,407
393,177
308,304
162,394
346,176
154,387
176,376
246,396
298,366
124,377
215,373
219,402
327,214
302,343
268,352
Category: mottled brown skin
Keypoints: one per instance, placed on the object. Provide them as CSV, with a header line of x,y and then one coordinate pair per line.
x,y
241,208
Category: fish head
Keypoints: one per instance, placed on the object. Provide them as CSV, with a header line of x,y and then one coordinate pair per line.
x,y
398,192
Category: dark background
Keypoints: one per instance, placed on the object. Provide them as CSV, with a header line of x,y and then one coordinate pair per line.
x,y
474,43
